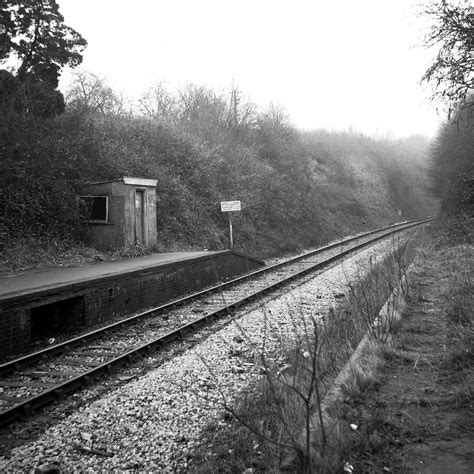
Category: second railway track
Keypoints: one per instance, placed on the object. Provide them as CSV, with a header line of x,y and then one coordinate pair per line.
x,y
35,380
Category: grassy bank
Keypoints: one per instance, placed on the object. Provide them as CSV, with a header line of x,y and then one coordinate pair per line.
x,y
417,412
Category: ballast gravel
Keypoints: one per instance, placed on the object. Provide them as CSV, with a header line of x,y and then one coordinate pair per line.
x,y
155,422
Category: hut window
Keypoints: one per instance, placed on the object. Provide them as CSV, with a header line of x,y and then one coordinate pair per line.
x,y
96,209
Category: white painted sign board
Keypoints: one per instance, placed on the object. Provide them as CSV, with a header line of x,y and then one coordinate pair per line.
x,y
228,206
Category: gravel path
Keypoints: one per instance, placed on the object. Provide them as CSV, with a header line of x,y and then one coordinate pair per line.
x,y
153,423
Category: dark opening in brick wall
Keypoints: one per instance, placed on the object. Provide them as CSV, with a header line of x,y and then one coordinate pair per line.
x,y
53,319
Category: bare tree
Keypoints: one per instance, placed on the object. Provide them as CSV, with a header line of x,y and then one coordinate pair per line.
x,y
276,117
452,72
241,114
159,104
202,105
92,94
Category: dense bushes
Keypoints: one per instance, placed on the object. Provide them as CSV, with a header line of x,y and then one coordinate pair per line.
x,y
296,189
38,193
452,166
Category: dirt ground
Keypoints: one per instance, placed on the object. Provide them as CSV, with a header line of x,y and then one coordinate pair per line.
x,y
419,416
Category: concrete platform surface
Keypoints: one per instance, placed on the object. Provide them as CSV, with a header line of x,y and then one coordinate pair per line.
x,y
39,280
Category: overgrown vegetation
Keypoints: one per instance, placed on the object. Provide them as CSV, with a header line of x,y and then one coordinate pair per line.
x,y
297,189
453,167
403,423
284,422
458,308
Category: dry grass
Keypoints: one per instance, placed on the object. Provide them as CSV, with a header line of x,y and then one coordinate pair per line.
x,y
423,396
39,253
458,309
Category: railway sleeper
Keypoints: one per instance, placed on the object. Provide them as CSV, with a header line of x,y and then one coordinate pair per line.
x,y
28,411
58,394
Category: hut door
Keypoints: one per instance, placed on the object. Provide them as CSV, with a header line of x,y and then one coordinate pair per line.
x,y
139,216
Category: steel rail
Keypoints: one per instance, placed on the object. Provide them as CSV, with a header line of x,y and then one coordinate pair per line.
x,y
29,406
62,347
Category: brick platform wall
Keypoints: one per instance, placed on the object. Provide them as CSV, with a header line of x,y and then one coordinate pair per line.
x,y
124,294
15,331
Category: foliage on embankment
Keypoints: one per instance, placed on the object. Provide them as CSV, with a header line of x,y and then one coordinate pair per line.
x,y
452,165
297,189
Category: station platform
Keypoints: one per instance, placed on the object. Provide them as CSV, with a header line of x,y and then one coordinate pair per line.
x,y
39,280
45,303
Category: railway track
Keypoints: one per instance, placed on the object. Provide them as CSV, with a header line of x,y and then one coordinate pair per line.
x,y
30,382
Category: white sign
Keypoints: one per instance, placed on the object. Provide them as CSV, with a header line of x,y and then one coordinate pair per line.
x,y
227,206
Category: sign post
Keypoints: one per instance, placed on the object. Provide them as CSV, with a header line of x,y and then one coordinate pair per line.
x,y
230,231
230,206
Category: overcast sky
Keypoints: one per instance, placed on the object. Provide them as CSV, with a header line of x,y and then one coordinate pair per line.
x,y
329,64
